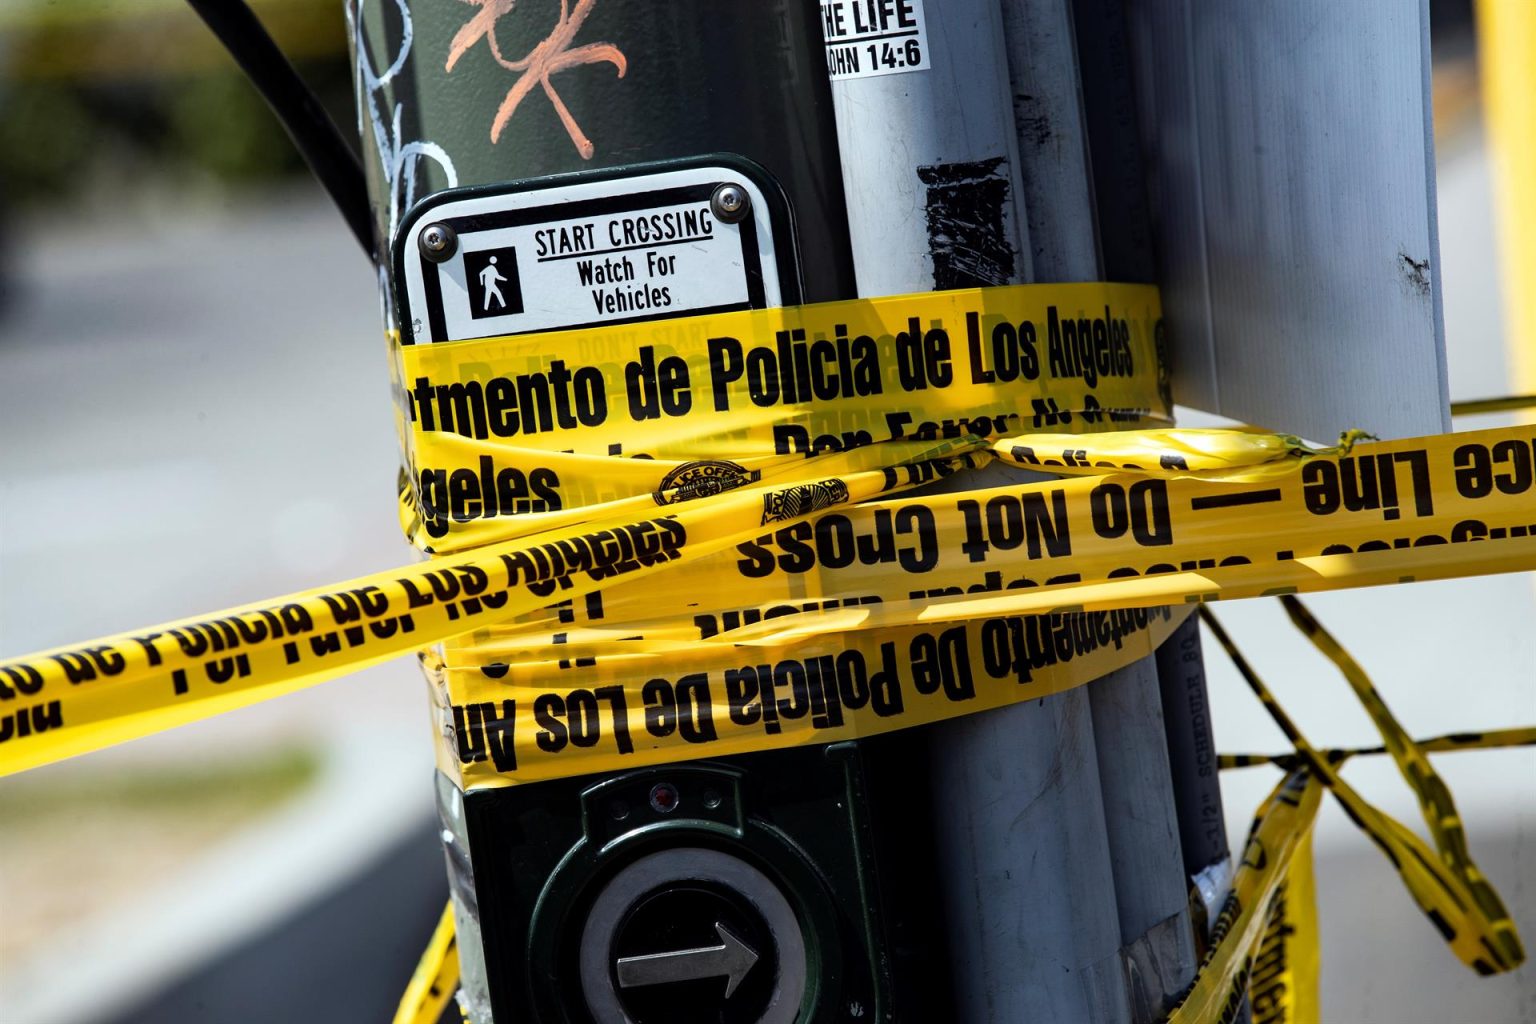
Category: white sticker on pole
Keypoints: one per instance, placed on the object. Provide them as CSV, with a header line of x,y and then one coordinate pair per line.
x,y
582,253
865,38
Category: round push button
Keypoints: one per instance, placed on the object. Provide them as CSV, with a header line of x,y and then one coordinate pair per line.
x,y
688,936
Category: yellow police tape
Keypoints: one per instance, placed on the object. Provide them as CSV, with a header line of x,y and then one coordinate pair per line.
x,y
507,436
1283,981
981,598
613,590
436,976
1492,739
1273,879
1445,883
695,537
1087,353
1281,829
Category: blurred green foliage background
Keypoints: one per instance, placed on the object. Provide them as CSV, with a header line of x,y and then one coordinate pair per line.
x,y
103,95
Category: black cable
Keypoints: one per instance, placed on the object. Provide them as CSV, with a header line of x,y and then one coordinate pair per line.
x,y
313,132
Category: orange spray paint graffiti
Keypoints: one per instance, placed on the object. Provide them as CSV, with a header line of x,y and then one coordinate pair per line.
x,y
550,57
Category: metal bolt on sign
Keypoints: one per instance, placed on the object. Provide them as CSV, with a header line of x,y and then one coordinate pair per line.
x,y
730,203
438,242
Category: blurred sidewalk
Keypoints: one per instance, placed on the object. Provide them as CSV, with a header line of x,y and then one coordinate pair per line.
x,y
196,415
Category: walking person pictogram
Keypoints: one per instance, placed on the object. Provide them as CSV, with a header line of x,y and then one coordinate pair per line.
x,y
492,282
490,279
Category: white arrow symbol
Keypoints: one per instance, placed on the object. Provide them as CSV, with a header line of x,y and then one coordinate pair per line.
x,y
733,959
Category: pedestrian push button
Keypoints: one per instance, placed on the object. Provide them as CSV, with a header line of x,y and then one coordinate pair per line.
x,y
688,936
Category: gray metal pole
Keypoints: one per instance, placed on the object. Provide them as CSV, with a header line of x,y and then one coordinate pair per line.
x,y
1192,756
1151,895
931,172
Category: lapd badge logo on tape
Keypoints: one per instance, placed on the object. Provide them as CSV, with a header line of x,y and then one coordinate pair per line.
x,y
633,245
702,479
803,499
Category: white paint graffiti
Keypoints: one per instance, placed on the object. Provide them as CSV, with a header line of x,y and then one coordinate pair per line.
x,y
398,160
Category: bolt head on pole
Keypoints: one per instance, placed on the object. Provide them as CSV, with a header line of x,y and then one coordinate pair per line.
x,y
438,242
730,203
